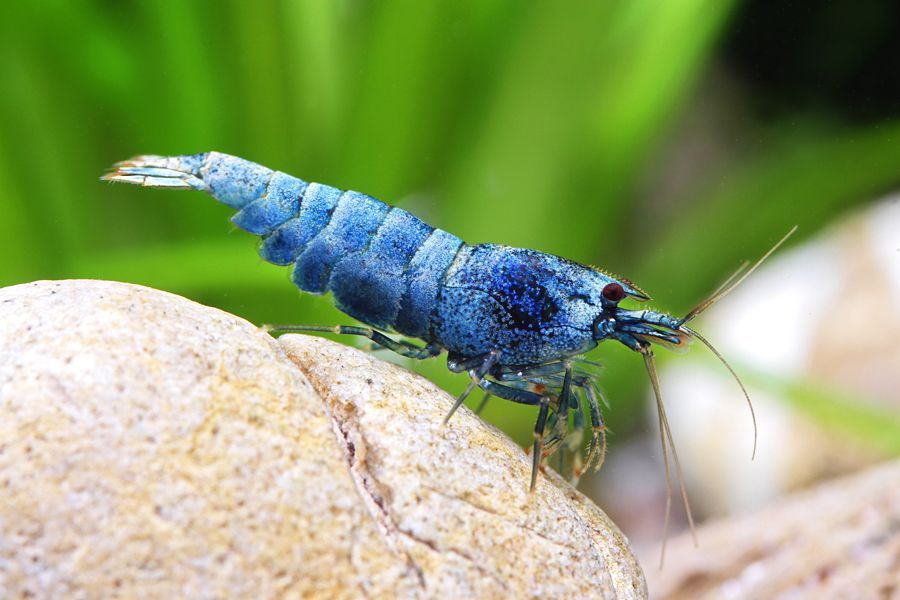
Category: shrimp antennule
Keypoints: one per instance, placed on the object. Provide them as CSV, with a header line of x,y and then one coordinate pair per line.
x,y
732,282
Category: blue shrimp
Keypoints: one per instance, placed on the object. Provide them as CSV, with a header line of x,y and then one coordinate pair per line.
x,y
515,320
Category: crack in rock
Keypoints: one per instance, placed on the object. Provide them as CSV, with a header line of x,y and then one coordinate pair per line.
x,y
347,432
346,427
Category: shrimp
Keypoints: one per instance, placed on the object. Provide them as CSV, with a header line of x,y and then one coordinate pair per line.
x,y
517,321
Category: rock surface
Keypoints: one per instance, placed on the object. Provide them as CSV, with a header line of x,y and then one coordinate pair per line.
x,y
154,447
839,540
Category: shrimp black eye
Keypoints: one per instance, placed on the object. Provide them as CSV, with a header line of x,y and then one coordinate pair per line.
x,y
613,292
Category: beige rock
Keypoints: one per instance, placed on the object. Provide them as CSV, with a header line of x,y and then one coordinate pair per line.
x,y
154,447
839,540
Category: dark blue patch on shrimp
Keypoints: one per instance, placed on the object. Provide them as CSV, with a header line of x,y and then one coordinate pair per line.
x,y
516,320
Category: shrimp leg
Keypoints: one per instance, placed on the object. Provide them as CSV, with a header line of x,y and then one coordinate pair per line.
x,y
402,348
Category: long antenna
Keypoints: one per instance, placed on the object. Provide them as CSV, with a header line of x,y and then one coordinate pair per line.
x,y
741,268
732,283
721,358
668,444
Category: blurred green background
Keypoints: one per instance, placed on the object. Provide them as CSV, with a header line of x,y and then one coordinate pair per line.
x,y
663,141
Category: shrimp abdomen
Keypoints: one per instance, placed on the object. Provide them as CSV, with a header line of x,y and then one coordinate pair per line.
x,y
384,265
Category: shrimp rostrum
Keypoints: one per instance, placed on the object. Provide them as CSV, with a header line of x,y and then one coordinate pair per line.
x,y
517,321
